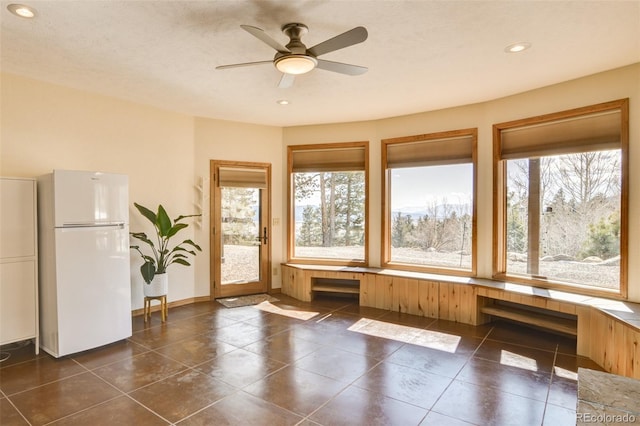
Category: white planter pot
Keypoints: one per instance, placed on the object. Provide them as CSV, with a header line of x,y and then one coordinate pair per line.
x,y
159,286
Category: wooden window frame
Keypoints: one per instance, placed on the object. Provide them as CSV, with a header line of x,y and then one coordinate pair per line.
x,y
386,218
499,252
291,234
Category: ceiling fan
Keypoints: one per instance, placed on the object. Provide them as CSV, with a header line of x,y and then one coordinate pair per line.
x,y
294,58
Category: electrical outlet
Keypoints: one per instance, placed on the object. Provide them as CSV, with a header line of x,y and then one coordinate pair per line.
x,y
275,270
276,221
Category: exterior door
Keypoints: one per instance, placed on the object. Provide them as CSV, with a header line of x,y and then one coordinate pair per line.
x,y
240,218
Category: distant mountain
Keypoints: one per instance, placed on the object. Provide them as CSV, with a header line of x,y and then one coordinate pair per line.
x,y
416,212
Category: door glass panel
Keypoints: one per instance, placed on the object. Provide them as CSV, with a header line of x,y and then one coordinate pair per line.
x,y
241,237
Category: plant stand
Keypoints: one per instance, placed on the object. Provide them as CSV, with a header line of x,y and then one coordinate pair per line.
x,y
164,312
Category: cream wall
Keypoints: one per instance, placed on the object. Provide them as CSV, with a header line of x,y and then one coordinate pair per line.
x,y
46,126
231,141
607,86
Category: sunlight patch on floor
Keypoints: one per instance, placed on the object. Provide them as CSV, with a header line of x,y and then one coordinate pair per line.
x,y
518,361
291,313
564,373
437,340
406,334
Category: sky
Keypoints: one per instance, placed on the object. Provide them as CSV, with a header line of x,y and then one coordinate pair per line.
x,y
419,187
414,189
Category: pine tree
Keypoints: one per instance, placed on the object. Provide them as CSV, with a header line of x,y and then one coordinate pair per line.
x,y
402,227
239,216
310,234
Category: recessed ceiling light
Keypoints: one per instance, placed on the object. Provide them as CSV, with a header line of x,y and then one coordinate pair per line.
x,y
517,47
282,102
22,10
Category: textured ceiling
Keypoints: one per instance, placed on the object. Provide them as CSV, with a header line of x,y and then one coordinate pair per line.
x,y
421,55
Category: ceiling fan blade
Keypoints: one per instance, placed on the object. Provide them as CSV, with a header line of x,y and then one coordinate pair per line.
x,y
286,81
260,34
245,64
346,39
340,67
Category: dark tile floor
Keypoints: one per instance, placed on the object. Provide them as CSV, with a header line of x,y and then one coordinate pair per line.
x,y
329,362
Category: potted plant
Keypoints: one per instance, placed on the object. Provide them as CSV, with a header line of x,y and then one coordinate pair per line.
x,y
162,254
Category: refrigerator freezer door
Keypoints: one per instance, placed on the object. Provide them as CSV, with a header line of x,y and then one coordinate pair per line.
x,y
93,287
90,197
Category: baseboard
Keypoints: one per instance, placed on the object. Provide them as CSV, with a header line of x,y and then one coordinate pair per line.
x,y
173,304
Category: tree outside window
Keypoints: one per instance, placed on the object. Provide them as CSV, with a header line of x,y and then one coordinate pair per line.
x,y
328,203
429,209
561,199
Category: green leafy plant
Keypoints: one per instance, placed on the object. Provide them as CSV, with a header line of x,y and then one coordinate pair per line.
x,y
162,255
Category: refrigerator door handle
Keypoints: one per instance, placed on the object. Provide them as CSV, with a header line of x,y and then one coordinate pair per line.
x,y
118,225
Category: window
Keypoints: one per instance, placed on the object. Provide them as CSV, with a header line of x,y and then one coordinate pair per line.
x,y
561,199
327,203
429,209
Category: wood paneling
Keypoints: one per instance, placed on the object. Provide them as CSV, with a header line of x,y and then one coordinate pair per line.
x,y
368,290
632,343
384,290
400,295
295,284
613,344
583,347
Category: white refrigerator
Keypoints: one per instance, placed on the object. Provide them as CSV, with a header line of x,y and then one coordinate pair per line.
x,y
85,287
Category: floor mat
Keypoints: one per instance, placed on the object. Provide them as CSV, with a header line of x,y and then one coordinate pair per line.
x,y
254,299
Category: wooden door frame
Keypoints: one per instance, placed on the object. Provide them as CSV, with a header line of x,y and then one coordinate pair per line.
x,y
215,219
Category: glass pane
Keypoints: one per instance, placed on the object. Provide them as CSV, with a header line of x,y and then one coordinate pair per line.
x,y
578,217
240,232
329,215
431,215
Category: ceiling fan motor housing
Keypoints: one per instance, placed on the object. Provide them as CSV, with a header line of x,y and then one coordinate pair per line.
x,y
295,31
299,61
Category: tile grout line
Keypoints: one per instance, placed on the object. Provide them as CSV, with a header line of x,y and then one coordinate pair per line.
x,y
44,384
154,350
485,338
380,362
375,366
194,368
347,385
122,393
290,363
85,370
308,416
241,389
546,400
17,410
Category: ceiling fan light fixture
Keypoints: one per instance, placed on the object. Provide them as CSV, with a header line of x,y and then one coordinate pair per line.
x,y
296,64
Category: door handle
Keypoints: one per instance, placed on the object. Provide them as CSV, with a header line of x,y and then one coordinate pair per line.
x,y
263,238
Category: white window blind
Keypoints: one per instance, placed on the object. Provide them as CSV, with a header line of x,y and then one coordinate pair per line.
x,y
593,132
329,159
242,178
431,152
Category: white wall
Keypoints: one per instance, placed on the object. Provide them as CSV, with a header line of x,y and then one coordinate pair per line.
x,y
607,86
